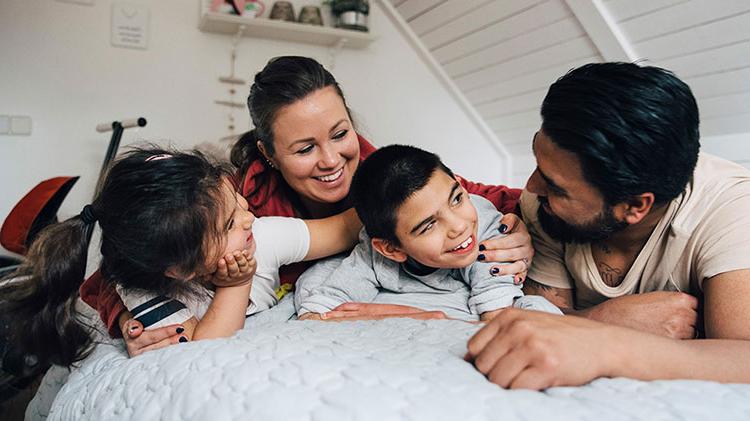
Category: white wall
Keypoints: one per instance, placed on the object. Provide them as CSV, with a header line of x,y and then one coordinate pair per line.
x,y
60,69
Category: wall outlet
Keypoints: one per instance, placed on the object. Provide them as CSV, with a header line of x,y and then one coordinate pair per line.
x,y
4,124
86,2
20,125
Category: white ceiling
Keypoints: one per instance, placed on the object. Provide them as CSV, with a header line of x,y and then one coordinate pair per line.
x,y
503,54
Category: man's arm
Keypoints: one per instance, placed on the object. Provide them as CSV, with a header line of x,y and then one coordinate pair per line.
x,y
534,350
664,313
562,298
727,305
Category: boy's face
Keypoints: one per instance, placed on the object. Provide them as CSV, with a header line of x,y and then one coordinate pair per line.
x,y
437,225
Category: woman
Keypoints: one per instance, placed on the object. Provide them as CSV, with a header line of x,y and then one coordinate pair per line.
x,y
299,161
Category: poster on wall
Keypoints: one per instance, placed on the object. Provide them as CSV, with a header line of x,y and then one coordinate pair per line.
x,y
130,25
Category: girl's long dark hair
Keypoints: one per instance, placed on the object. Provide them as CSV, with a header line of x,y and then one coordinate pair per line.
x,y
157,210
283,81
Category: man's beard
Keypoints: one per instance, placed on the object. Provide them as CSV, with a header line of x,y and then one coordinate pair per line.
x,y
599,228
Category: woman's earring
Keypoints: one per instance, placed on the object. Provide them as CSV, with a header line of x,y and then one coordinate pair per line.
x,y
270,164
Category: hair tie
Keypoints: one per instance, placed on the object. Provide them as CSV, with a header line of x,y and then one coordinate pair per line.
x,y
87,215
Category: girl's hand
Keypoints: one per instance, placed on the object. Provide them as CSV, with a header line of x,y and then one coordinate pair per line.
x,y
514,248
138,340
235,269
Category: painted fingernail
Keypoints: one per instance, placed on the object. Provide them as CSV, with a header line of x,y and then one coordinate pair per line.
x,y
482,247
132,328
502,228
494,271
480,257
180,330
183,339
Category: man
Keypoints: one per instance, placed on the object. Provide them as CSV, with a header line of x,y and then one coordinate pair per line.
x,y
633,227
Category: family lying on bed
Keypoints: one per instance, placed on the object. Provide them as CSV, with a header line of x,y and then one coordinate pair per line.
x,y
635,232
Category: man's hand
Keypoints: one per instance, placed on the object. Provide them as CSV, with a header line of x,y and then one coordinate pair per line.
x,y
138,340
523,349
489,315
664,313
235,269
514,248
370,311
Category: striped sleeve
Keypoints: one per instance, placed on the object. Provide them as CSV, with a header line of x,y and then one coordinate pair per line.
x,y
154,311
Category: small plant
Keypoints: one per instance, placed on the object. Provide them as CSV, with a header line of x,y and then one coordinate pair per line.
x,y
350,14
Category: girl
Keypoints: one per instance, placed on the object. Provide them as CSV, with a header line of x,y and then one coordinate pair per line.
x,y
172,226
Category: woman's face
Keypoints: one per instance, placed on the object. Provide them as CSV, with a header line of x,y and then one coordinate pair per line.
x,y
316,148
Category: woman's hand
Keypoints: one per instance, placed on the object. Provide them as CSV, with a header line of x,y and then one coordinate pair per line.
x,y
234,269
514,248
370,311
138,340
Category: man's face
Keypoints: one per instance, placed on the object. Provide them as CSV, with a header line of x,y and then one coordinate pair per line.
x,y
571,210
437,225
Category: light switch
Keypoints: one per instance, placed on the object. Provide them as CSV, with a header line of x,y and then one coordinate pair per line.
x,y
20,125
4,124
86,2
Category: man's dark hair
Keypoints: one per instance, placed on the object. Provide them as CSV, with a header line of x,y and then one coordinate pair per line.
x,y
634,129
385,180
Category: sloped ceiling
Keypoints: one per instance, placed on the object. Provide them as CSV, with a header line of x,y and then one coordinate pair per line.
x,y
503,54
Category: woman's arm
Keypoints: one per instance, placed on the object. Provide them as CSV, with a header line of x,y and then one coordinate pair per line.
x,y
333,234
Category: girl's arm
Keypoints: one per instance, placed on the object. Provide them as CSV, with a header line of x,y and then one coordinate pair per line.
x,y
333,234
226,313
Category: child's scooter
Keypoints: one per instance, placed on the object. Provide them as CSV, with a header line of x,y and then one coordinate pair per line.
x,y
32,213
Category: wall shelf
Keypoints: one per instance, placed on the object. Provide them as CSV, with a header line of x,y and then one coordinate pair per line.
x,y
285,31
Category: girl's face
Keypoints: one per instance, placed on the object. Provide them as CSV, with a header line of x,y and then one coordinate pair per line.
x,y
316,148
236,223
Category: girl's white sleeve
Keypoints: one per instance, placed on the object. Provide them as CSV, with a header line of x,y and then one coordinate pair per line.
x,y
281,240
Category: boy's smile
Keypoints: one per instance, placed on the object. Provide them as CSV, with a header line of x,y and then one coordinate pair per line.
x,y
437,225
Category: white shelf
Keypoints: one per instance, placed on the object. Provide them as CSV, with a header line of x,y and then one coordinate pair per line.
x,y
286,31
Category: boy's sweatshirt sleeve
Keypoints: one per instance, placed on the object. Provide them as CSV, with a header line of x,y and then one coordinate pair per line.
x,y
488,293
338,280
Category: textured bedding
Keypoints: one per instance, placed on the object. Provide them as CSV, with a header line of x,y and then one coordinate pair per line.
x,y
276,369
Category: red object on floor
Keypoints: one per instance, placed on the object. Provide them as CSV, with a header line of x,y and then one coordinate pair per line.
x,y
33,212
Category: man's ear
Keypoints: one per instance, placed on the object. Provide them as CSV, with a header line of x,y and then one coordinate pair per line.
x,y
634,209
387,249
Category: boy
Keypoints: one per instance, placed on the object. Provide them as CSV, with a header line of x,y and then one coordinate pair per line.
x,y
419,246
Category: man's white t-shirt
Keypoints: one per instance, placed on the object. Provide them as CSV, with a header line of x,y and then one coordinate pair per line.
x,y
279,241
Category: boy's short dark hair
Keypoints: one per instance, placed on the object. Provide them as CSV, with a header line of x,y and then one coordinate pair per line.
x,y
634,128
385,180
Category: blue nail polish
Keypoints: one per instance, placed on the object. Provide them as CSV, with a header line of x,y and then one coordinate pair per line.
x,y
502,228
481,247
494,271
180,330
183,339
481,257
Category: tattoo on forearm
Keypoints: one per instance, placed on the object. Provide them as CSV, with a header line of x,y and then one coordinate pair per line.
x,y
532,284
559,297
611,275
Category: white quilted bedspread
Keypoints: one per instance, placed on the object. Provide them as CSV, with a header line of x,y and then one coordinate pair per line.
x,y
397,369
